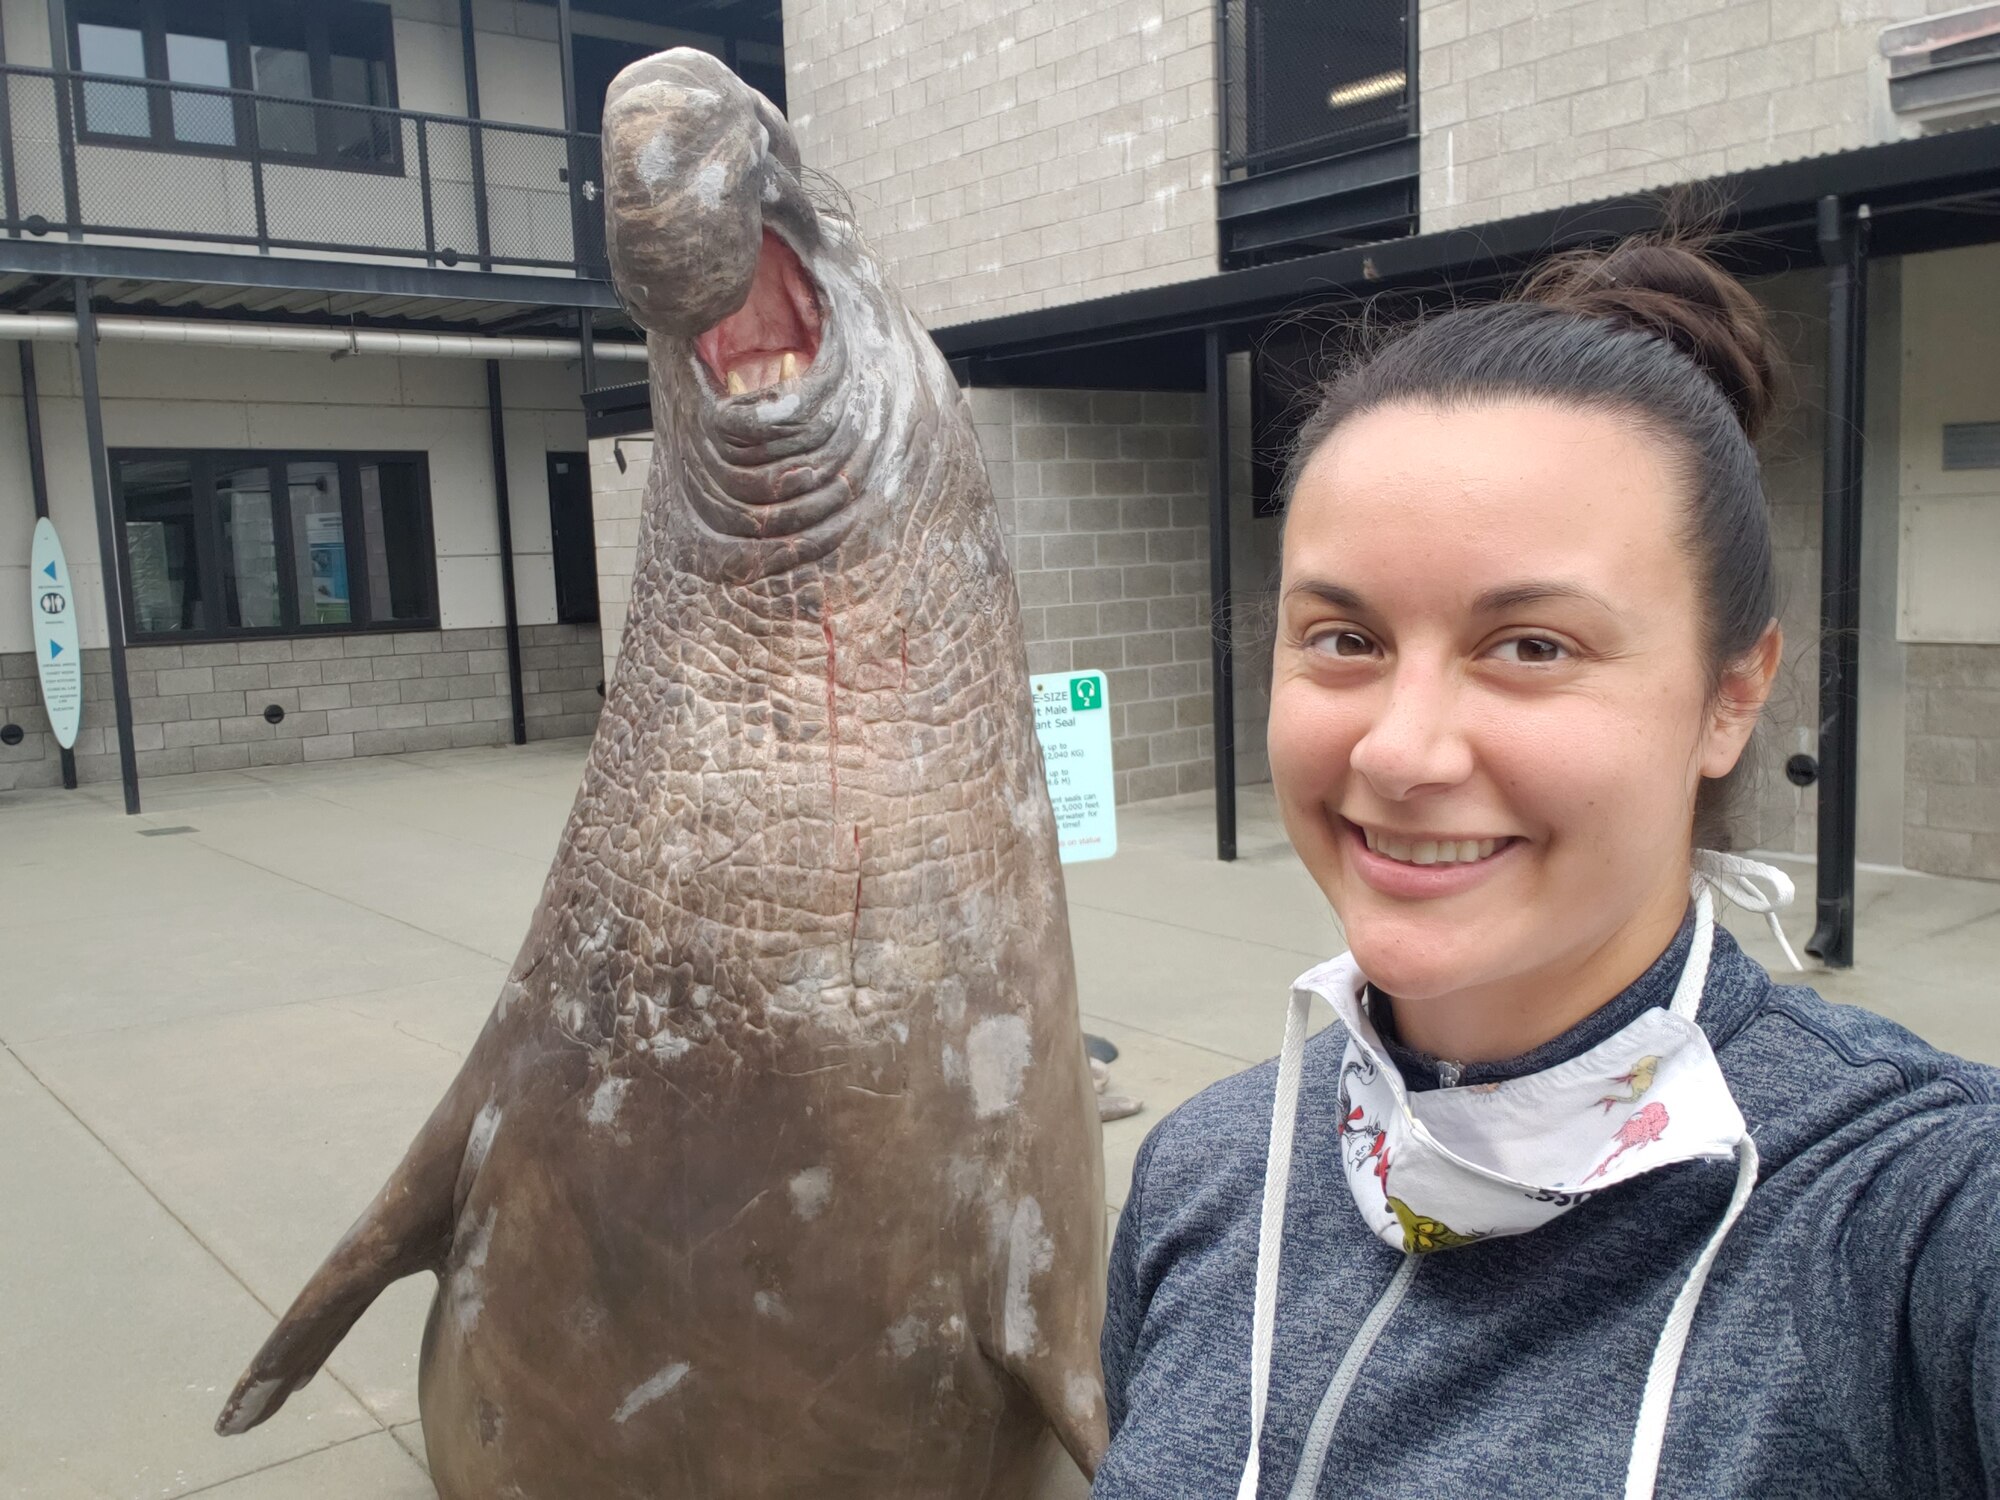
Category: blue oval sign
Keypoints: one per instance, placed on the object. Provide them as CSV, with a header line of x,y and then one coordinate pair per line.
x,y
58,658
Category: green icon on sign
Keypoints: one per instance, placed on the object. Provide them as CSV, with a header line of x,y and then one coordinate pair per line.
x,y
1085,692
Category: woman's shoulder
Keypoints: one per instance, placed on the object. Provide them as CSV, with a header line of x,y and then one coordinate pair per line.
x,y
1850,1094
1217,1140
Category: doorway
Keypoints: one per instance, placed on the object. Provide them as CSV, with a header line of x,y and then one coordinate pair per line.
x,y
573,538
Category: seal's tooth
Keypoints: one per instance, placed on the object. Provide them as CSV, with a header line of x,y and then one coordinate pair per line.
x,y
788,367
735,382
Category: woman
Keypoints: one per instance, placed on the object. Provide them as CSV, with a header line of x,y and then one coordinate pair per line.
x,y
1574,1200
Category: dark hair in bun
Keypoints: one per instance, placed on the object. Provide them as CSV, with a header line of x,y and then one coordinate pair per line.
x,y
1650,328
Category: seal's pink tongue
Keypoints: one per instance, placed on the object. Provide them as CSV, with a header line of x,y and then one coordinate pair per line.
x,y
774,335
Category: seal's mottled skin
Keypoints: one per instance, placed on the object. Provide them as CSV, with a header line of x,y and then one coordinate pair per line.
x,y
775,1171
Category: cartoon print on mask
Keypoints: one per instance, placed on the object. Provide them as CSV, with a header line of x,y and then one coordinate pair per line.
x,y
1422,1234
1636,1082
1364,1143
1366,1147
1645,1127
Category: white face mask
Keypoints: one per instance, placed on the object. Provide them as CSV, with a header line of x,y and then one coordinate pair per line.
x,y
1443,1168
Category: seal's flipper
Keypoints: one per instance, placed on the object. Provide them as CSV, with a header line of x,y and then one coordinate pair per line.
x,y
405,1230
1072,1403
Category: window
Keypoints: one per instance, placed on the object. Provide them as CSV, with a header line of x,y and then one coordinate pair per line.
x,y
224,544
335,57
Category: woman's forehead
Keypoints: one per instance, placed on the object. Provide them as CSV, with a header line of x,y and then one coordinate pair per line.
x,y
1493,493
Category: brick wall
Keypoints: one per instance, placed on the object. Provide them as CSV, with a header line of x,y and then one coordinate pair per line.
x,y
201,707
1951,795
616,496
1102,495
1528,105
1004,156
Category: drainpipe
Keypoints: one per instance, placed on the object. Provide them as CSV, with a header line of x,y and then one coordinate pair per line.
x,y
1222,671
305,338
107,543
496,421
1843,246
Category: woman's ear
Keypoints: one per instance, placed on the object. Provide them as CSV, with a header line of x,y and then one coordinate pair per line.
x,y
1739,699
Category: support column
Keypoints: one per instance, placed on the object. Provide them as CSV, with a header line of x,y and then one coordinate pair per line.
x,y
496,421
566,47
1222,644
38,481
475,137
107,540
1843,246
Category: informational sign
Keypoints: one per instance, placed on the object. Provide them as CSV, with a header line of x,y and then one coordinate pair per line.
x,y
58,659
1073,722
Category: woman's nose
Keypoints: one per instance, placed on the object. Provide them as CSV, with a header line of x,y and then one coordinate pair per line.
x,y
1415,743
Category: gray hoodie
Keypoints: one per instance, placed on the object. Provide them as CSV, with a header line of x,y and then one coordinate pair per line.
x,y
1847,1343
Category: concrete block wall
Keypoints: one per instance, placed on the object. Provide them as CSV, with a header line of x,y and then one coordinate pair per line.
x,y
1530,104
1951,795
1103,498
200,707
1011,154
616,496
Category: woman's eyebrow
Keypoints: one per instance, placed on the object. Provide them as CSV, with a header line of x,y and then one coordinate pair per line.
x,y
1327,593
1534,591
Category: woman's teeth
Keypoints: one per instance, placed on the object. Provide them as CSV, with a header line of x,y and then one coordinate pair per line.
x,y
1431,851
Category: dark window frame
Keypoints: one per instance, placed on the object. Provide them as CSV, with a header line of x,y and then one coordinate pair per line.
x,y
203,466
148,17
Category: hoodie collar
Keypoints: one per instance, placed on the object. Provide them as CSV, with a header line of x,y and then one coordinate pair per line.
x,y
1422,1072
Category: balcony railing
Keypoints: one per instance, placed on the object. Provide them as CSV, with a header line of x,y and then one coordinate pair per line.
x,y
140,160
1304,81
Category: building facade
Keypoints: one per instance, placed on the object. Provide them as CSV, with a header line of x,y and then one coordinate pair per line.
x,y
344,266
1131,224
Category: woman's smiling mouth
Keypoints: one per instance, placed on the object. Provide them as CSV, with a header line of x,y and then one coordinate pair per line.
x,y
1413,866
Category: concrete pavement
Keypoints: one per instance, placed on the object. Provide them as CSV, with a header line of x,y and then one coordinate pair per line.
x,y
223,1021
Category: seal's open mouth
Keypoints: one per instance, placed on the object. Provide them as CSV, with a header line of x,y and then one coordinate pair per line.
x,y
772,338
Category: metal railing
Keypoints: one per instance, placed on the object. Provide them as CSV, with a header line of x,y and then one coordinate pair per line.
x,y
1303,80
103,156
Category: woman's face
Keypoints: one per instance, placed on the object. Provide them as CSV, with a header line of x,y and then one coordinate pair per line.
x,y
1490,713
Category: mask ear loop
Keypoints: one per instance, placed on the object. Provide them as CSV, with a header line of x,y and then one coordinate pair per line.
x,y
1735,879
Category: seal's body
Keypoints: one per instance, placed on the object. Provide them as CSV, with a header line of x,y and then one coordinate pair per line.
x,y
776,1169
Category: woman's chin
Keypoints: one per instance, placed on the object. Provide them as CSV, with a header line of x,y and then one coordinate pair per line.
x,y
1413,961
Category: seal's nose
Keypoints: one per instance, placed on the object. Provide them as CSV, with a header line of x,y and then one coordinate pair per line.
x,y
690,165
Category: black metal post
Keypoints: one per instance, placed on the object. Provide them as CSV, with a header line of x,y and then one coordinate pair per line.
x,y
496,421
587,343
424,189
566,45
1221,644
38,481
107,540
60,60
10,197
1843,246
476,139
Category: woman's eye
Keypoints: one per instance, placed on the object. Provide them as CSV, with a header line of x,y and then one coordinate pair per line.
x,y
1344,643
1532,651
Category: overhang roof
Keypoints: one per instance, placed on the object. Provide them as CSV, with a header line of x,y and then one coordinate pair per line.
x,y
184,283
1923,194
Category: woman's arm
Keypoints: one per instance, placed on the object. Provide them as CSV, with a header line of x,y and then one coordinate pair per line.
x,y
1954,1312
1125,1307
